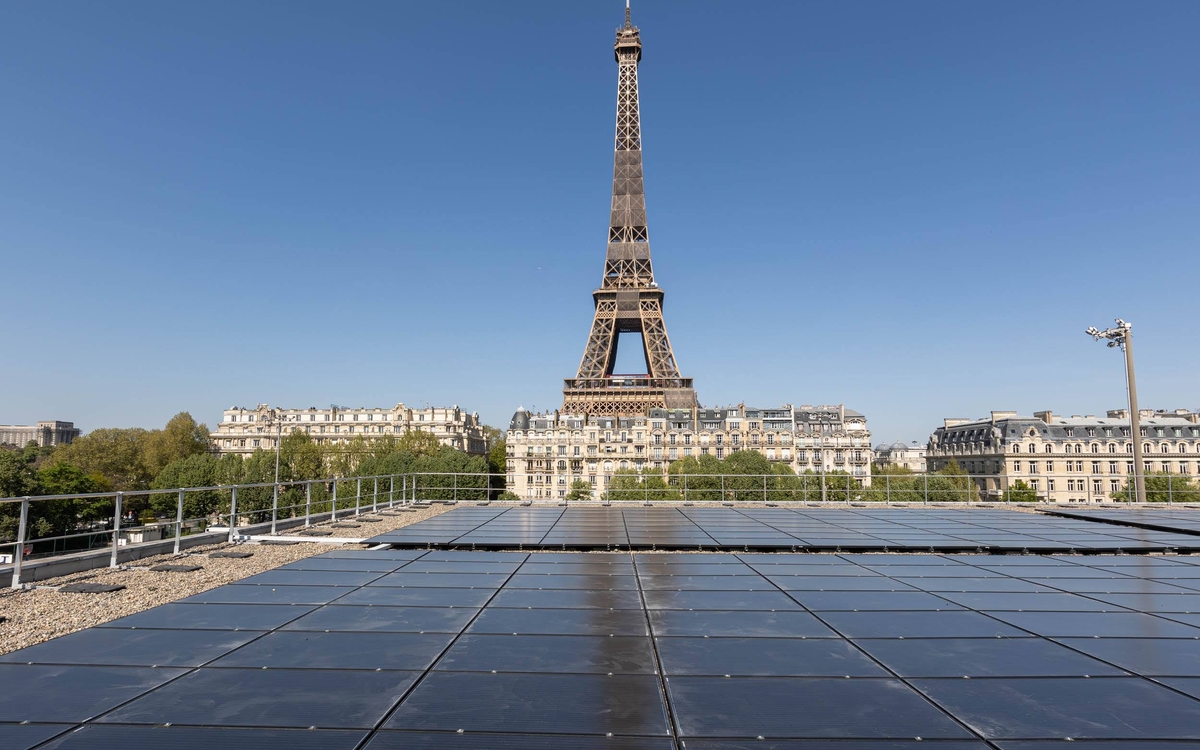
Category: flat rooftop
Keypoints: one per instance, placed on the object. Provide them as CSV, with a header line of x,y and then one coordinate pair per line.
x,y
391,648
790,529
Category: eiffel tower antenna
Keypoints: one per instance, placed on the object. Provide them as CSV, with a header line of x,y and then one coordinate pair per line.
x,y
628,300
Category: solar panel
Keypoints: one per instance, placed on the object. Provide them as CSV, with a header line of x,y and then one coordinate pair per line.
x,y
712,651
791,529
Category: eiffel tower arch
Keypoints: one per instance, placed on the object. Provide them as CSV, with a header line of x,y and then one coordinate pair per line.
x,y
628,300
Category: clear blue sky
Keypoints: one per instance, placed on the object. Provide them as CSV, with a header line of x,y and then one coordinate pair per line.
x,y
911,208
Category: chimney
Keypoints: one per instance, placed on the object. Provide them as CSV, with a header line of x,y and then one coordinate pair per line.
x,y
1045,416
998,415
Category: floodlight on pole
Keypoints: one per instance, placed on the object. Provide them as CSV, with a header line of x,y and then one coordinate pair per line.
x,y
1122,336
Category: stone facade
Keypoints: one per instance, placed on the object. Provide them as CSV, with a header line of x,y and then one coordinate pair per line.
x,y
547,452
244,430
1066,459
909,456
47,432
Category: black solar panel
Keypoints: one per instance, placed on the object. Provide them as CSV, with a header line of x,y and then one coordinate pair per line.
x,y
1162,518
660,651
792,529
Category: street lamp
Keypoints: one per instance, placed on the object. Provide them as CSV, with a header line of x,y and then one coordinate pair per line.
x,y
277,416
1122,336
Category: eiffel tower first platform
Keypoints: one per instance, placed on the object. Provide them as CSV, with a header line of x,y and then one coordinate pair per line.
x,y
628,300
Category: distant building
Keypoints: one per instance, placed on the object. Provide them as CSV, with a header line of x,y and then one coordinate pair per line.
x,y
1066,459
243,431
50,432
547,452
910,456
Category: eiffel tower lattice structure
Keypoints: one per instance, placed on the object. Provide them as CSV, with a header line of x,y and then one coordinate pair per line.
x,y
628,300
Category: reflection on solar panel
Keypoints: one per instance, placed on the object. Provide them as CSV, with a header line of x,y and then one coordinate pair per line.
x,y
1168,519
745,529
637,651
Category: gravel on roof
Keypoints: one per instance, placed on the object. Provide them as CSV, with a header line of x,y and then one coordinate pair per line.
x,y
38,614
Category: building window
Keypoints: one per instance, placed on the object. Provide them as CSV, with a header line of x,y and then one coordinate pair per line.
x,y
1097,486
1017,466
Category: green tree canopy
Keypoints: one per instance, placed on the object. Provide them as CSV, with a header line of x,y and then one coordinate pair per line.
x,y
182,437
1020,492
114,453
1161,487
580,490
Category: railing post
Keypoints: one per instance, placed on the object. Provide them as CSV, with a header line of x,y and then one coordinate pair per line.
x,y
178,521
925,476
333,510
454,495
722,488
887,489
1170,495
116,529
764,488
19,550
847,488
391,490
274,506
233,514
307,503
375,497
357,495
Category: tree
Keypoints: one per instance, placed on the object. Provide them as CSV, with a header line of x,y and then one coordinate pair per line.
x,y
117,454
697,479
625,485
419,443
1161,487
182,437
580,490
1019,492
498,457
951,485
198,470
17,475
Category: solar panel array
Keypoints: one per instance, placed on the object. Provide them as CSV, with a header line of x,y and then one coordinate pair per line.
x,y
793,529
1175,520
477,650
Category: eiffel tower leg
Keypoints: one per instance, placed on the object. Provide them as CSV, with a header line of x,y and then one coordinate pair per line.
x,y
659,357
602,342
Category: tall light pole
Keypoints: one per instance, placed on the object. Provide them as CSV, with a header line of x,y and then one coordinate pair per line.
x,y
1122,336
277,415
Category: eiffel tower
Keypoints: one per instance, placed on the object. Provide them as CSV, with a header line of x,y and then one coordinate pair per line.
x,y
628,300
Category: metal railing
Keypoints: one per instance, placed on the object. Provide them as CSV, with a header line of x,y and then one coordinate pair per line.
x,y
219,508
111,519
923,488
